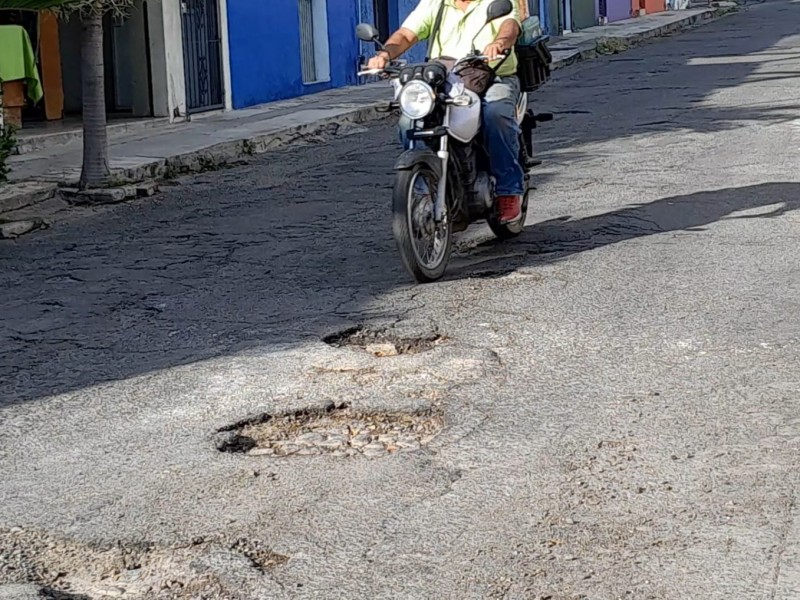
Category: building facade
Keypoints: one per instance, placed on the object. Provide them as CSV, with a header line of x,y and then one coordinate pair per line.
x,y
287,48
174,58
143,62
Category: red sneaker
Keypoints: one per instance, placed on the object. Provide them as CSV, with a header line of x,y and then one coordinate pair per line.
x,y
509,209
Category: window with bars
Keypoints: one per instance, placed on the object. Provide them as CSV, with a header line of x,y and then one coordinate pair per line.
x,y
308,52
314,48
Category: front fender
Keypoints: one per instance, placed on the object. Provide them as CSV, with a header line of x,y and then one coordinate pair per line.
x,y
408,159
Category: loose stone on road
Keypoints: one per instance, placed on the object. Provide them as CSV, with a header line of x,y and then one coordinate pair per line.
x,y
605,407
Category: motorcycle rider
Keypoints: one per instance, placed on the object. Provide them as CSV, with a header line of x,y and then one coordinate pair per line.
x,y
461,21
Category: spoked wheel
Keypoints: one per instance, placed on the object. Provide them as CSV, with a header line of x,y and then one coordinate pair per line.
x,y
424,245
511,230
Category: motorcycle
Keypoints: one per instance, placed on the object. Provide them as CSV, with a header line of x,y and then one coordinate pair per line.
x,y
442,182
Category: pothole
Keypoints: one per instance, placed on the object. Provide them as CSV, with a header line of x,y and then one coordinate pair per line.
x,y
333,430
490,274
65,569
386,341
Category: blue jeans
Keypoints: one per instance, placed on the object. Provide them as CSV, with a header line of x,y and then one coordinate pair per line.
x,y
500,135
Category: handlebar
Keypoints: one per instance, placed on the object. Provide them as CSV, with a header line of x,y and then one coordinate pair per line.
x,y
394,69
388,70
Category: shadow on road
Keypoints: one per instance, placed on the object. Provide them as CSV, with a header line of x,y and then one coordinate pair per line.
x,y
145,328
680,84
259,257
563,237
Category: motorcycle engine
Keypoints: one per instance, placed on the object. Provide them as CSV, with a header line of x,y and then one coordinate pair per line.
x,y
478,184
484,191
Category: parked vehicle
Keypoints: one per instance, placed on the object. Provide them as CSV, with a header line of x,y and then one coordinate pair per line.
x,y
443,182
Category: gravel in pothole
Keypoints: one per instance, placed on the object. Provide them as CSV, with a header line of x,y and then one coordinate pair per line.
x,y
67,569
335,430
386,341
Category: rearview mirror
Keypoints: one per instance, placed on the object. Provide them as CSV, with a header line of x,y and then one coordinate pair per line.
x,y
499,9
367,33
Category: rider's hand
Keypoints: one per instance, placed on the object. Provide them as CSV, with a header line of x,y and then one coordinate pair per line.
x,y
379,61
495,50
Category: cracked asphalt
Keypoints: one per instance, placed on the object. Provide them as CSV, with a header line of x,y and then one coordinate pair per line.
x,y
619,386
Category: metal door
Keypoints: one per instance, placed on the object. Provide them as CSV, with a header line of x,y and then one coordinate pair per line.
x,y
202,55
583,14
553,18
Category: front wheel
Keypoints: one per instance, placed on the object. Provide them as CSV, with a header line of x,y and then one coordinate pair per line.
x,y
511,230
424,245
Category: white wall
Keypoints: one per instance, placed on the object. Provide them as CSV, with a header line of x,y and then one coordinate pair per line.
x,y
166,57
226,54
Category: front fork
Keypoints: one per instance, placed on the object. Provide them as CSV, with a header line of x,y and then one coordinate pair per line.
x,y
440,202
440,207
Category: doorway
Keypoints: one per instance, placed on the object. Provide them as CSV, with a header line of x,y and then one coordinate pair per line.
x,y
202,51
381,11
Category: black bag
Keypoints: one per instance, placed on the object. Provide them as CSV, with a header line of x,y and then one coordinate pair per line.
x,y
477,75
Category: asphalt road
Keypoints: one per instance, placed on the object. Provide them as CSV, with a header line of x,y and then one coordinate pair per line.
x,y
619,387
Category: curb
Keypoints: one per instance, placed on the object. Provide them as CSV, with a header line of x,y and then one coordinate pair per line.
x,y
23,194
14,196
605,45
109,195
26,146
224,153
217,155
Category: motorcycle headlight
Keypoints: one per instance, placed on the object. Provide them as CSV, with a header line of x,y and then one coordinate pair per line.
x,y
417,100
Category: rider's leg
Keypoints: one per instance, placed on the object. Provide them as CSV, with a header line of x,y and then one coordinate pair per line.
x,y
501,136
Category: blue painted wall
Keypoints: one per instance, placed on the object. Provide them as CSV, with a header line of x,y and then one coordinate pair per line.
x,y
366,15
404,7
398,11
265,49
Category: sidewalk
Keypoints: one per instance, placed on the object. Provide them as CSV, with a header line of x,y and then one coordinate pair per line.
x,y
148,153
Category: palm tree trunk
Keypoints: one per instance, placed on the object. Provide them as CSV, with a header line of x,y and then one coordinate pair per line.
x,y
95,172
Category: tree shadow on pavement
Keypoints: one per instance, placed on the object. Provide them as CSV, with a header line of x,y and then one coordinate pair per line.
x,y
128,321
678,83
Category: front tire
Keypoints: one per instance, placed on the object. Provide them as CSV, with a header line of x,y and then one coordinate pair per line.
x,y
424,245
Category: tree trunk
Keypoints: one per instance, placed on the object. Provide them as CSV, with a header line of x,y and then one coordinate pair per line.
x,y
95,172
